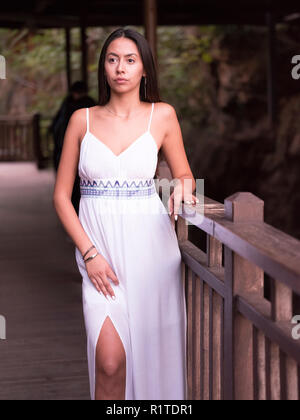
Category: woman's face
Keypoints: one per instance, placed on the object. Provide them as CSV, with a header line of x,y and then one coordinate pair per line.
x,y
123,61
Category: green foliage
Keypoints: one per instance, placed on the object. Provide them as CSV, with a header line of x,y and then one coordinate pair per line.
x,y
35,60
184,59
38,60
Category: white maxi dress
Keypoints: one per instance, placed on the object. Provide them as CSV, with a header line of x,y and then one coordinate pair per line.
x,y
124,217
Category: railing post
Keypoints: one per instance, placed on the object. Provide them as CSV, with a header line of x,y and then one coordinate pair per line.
x,y
181,228
37,141
216,389
283,369
241,278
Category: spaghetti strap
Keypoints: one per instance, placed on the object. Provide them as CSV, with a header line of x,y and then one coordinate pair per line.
x,y
87,121
150,117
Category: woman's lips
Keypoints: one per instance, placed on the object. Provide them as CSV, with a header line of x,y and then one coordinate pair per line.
x,y
121,81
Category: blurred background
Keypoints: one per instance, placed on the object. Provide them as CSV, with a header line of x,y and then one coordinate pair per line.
x,y
226,79
229,70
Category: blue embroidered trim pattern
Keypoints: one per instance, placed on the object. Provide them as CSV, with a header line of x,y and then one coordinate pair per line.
x,y
125,189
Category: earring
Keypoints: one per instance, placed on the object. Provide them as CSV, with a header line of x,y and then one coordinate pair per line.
x,y
145,83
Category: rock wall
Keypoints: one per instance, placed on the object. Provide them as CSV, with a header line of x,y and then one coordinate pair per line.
x,y
235,150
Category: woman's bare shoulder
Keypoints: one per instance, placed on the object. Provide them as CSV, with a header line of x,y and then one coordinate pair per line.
x,y
78,123
80,114
165,110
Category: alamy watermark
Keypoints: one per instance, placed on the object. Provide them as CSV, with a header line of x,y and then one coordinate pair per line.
x,y
2,67
166,186
2,328
296,69
296,329
181,191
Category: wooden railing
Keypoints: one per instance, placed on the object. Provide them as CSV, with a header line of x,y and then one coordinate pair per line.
x,y
239,341
20,139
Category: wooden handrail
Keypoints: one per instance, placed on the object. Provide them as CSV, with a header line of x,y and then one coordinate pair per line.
x,y
276,252
239,344
20,139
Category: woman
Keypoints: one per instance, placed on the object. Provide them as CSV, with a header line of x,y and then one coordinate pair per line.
x,y
126,246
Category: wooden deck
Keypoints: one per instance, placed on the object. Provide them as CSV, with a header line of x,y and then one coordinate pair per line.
x,y
44,354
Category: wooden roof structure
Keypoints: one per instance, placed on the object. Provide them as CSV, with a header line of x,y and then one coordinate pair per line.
x,y
67,13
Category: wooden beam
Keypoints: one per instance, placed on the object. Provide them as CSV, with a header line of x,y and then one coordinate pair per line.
x,y
150,20
84,72
192,16
42,5
272,64
21,19
68,57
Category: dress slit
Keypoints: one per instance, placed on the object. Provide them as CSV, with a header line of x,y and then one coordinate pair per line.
x,y
93,356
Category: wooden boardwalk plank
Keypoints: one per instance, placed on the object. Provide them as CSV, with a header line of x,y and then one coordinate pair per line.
x,y
44,354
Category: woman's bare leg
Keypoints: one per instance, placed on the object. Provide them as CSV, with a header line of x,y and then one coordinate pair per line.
x,y
110,364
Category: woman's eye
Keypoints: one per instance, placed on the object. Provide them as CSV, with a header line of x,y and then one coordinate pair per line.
x,y
131,60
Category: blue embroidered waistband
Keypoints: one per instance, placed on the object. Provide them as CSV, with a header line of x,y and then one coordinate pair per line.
x,y
121,189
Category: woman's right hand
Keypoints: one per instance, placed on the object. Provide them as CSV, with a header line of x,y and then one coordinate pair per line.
x,y
98,270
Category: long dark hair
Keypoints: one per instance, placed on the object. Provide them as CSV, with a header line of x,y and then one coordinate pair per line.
x,y
152,90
